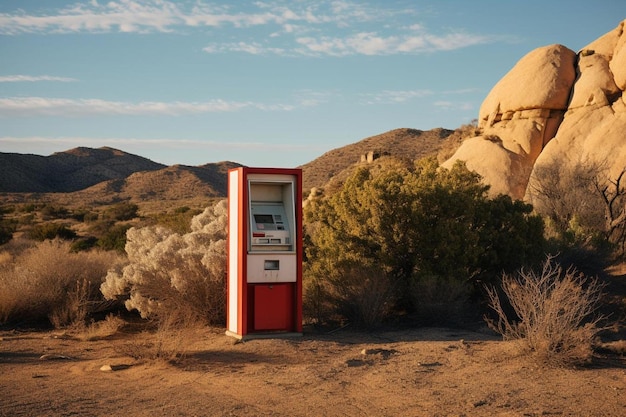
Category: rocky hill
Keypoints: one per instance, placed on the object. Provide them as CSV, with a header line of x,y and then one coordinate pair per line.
x,y
173,183
401,143
68,171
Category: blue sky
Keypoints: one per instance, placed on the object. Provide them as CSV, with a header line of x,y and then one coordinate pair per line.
x,y
262,83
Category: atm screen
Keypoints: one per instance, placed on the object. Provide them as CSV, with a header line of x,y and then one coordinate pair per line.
x,y
268,217
264,218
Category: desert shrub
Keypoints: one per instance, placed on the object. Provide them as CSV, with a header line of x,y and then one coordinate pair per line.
x,y
553,313
49,211
414,222
83,244
114,238
49,231
441,301
97,330
169,342
7,227
364,295
48,282
27,219
28,207
584,205
83,215
122,211
72,310
91,217
169,274
179,220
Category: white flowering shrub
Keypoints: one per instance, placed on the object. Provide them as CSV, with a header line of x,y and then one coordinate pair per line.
x,y
169,274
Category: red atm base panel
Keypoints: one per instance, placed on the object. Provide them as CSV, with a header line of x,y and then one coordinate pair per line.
x,y
273,306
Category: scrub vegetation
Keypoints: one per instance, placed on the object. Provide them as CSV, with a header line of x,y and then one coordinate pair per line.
x,y
396,243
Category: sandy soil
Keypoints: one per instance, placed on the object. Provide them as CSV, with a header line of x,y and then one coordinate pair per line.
x,y
411,372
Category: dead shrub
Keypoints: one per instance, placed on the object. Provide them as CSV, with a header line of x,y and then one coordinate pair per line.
x,y
72,310
169,343
102,329
555,313
49,282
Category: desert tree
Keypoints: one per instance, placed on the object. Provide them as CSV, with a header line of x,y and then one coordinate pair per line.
x,y
170,276
563,192
584,206
613,194
413,223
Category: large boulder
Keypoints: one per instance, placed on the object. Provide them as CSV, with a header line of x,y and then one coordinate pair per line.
x,y
593,130
520,115
554,106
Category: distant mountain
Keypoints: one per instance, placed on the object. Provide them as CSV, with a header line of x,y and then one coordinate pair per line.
x,y
68,171
107,175
177,182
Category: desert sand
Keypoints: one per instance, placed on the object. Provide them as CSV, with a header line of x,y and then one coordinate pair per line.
x,y
394,372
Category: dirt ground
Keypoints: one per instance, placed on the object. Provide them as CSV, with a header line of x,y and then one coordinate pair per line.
x,y
407,372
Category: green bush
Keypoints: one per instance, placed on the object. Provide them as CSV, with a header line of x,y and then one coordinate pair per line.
x,y
417,222
441,301
28,208
84,244
122,212
84,215
7,227
114,238
50,212
179,221
364,295
49,231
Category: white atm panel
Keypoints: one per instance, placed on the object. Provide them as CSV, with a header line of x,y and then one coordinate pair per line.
x,y
271,267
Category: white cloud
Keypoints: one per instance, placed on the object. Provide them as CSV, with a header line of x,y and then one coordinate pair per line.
x,y
31,78
452,105
166,15
122,16
373,44
391,97
253,48
35,106
320,28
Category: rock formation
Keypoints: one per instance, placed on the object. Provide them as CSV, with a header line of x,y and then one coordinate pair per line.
x,y
554,106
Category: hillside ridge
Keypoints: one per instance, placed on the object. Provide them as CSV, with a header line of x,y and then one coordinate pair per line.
x,y
109,174
68,171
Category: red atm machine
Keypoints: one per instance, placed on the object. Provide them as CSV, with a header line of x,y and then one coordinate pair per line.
x,y
264,252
